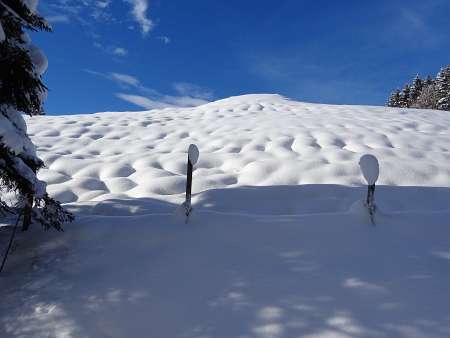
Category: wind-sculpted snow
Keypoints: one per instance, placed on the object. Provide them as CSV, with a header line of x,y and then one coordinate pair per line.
x,y
279,244
252,140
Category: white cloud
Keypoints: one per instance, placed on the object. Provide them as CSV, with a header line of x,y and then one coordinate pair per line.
x,y
192,96
184,101
67,8
139,14
57,18
94,73
166,101
113,50
120,51
91,12
99,15
192,90
164,39
126,79
123,80
143,102
103,4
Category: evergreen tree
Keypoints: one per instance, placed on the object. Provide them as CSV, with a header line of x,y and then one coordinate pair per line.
x,y
395,99
22,90
406,96
424,94
428,98
428,80
443,88
416,88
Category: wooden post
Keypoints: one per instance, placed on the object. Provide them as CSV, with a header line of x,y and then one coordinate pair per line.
x,y
370,170
370,201
187,203
193,154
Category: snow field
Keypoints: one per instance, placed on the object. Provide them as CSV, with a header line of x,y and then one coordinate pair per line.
x,y
279,244
252,140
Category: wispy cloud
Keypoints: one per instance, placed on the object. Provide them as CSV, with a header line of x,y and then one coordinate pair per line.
x,y
89,12
81,10
103,4
191,95
183,101
58,19
125,79
165,101
412,27
143,102
120,51
139,9
193,90
164,39
67,8
112,50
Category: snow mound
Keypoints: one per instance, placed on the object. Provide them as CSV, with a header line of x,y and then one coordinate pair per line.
x,y
252,140
279,244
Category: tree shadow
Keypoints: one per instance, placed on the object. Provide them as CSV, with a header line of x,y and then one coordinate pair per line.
x,y
236,272
279,200
123,207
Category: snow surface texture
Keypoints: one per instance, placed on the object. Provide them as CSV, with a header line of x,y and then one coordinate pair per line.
x,y
193,154
369,168
279,243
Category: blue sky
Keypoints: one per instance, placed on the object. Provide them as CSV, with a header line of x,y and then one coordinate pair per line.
x,y
132,55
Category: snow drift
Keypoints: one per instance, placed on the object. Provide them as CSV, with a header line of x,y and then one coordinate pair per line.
x,y
279,243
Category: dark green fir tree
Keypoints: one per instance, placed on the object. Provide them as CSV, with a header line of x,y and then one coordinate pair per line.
x,y
406,96
22,91
416,88
395,100
443,89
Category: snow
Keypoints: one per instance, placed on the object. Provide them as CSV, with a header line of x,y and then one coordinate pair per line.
x,y
31,4
370,168
38,58
25,38
193,153
12,137
2,34
279,243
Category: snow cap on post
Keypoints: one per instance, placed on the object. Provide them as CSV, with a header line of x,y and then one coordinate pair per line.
x,y
370,168
193,153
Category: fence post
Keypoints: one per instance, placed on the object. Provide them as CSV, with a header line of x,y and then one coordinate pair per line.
x,y
370,200
370,170
193,154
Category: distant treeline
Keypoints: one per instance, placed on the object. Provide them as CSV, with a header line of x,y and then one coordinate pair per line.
x,y
425,93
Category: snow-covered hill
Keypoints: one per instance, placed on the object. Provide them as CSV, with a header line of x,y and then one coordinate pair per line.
x,y
279,243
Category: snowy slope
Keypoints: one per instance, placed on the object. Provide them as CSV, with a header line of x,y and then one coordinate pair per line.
x,y
279,244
